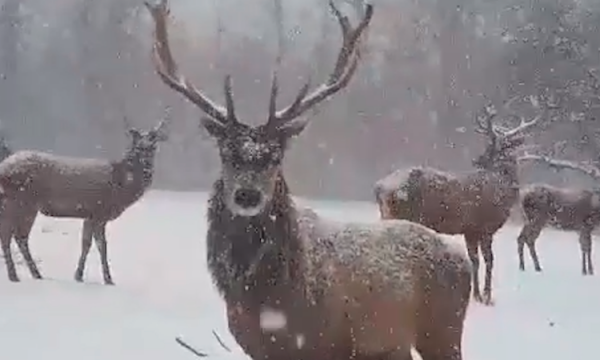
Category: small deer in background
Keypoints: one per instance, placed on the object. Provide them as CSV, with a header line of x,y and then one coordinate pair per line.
x,y
298,286
476,204
562,208
97,191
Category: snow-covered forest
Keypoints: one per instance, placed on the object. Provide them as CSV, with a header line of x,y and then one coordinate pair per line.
x,y
71,70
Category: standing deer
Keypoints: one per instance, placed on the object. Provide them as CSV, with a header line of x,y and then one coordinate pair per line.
x,y
97,191
566,209
298,286
476,204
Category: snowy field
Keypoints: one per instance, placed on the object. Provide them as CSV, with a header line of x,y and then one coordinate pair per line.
x,y
163,291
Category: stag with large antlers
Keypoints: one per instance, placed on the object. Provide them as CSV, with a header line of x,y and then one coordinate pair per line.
x,y
476,204
295,284
566,209
97,191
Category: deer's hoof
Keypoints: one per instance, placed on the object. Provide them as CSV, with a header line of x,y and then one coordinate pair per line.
x,y
13,278
109,282
488,301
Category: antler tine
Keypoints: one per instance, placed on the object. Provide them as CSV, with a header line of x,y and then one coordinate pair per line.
x,y
273,99
484,123
167,68
162,125
128,125
345,67
523,125
230,106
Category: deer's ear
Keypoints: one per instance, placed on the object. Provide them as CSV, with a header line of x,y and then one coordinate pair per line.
x,y
213,127
293,128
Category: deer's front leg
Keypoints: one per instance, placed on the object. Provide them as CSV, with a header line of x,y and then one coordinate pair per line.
x,y
529,234
473,249
585,244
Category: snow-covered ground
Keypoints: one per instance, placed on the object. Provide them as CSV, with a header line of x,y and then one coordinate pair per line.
x,y
163,291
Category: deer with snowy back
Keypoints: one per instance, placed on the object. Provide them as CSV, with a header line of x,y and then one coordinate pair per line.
x,y
569,209
476,204
97,191
298,286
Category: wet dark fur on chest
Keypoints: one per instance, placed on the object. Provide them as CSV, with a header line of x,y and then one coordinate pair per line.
x,y
256,258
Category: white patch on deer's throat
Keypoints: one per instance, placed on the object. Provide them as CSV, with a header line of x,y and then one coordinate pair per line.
x,y
300,340
129,177
272,319
402,192
252,150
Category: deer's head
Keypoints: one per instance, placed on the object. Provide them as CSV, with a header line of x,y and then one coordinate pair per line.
x,y
501,149
143,144
251,157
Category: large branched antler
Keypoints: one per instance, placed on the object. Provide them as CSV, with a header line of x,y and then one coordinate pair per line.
x,y
345,67
167,69
496,133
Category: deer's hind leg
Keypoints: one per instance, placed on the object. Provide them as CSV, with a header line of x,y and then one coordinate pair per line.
x,y
22,231
472,240
585,243
529,234
100,238
6,234
488,257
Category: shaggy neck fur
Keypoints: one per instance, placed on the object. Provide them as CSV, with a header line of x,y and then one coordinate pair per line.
x,y
140,165
253,257
508,170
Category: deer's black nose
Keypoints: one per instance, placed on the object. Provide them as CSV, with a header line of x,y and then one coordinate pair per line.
x,y
247,197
